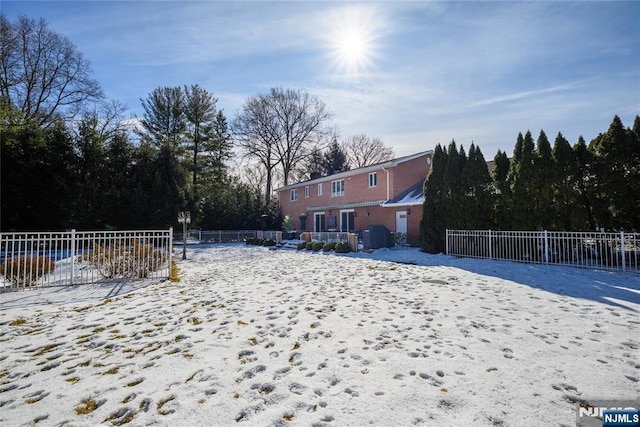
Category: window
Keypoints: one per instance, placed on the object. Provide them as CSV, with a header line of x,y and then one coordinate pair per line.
x,y
306,191
293,196
337,188
320,189
373,179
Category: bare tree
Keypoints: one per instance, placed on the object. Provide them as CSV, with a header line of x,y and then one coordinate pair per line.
x,y
363,150
279,129
42,73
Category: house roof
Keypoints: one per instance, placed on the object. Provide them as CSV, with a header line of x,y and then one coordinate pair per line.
x,y
413,195
371,168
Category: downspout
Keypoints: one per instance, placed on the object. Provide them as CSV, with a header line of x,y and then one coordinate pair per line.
x,y
387,172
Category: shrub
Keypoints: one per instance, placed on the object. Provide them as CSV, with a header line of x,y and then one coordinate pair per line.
x,y
309,246
302,245
317,246
268,242
328,247
133,259
342,248
25,271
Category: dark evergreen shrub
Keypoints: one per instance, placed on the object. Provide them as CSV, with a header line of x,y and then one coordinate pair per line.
x,y
302,245
342,248
328,247
317,246
309,246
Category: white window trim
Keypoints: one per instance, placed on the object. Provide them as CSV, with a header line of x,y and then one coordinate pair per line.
x,y
373,176
307,191
293,195
334,185
320,189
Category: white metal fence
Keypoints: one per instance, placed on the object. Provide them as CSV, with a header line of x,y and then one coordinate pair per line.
x,y
32,259
612,251
215,236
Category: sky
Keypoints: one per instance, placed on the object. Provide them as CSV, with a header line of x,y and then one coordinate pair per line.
x,y
414,74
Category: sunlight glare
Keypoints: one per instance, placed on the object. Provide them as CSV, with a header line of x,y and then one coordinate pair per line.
x,y
351,38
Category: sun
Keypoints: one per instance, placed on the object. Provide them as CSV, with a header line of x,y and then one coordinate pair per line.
x,y
352,40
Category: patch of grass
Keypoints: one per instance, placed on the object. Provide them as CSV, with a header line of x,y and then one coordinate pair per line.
x,y
174,274
241,323
72,380
19,321
47,348
253,341
86,406
111,371
98,330
163,402
287,416
135,382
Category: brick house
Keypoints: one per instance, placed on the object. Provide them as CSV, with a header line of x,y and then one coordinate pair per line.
x,y
388,193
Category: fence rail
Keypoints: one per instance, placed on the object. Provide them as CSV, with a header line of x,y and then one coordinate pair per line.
x,y
611,251
33,259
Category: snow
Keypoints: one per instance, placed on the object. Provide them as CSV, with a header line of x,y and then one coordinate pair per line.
x,y
252,336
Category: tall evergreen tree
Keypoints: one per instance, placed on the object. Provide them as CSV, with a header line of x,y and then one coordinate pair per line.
x,y
164,119
566,198
502,200
335,159
200,112
585,182
520,178
478,201
542,185
454,188
616,158
432,225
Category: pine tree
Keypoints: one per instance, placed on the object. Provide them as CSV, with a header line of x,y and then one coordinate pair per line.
x,y
502,201
454,188
335,159
616,167
542,185
478,197
585,183
520,178
565,183
432,225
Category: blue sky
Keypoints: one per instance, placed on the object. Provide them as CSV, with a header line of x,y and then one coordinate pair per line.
x,y
426,72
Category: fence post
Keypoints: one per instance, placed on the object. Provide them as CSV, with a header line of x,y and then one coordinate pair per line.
x,y
490,246
170,239
622,251
73,255
546,247
446,242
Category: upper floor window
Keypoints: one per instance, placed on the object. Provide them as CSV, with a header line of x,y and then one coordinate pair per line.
x,y
320,189
293,195
306,191
337,188
373,179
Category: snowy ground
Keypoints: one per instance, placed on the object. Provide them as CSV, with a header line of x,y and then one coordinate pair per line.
x,y
252,336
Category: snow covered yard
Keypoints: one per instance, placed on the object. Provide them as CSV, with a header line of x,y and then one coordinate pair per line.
x,y
252,336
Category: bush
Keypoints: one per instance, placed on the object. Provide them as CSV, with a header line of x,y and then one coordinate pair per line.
x,y
328,247
309,246
317,246
25,271
133,259
342,248
302,245
268,242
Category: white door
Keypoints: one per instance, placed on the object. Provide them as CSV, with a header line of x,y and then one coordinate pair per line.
x,y
401,221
